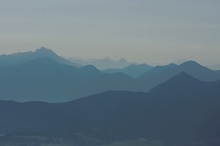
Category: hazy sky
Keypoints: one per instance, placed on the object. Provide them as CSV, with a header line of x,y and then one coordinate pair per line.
x,y
138,30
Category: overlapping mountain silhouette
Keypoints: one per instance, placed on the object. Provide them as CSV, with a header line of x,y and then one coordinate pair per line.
x,y
45,78
160,74
181,111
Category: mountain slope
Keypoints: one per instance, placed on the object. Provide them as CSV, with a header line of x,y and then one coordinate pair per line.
x,y
181,111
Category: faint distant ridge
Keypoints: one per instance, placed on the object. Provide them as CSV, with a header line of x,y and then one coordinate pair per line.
x,y
23,57
133,70
214,67
103,63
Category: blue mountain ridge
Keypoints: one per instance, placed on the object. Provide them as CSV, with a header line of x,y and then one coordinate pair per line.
x,y
181,111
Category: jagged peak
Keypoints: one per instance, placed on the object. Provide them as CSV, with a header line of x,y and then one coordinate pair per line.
x,y
44,50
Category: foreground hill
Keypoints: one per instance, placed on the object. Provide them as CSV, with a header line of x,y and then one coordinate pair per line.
x,y
182,111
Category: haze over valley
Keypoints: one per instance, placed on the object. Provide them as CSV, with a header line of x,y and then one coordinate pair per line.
x,y
109,73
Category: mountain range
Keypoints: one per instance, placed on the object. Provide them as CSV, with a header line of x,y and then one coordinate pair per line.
x,y
103,63
46,100
44,79
23,57
160,74
48,78
181,111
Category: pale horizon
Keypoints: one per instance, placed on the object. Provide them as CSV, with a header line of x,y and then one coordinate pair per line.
x,y
177,61
140,31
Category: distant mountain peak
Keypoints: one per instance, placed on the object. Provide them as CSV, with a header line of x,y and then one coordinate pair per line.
x,y
108,58
182,80
44,50
90,69
191,62
122,60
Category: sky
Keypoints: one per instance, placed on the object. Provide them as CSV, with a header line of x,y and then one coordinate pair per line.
x,y
146,31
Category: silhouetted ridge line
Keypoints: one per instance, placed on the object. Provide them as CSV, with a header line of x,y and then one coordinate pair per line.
x,y
44,51
23,57
181,111
183,77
